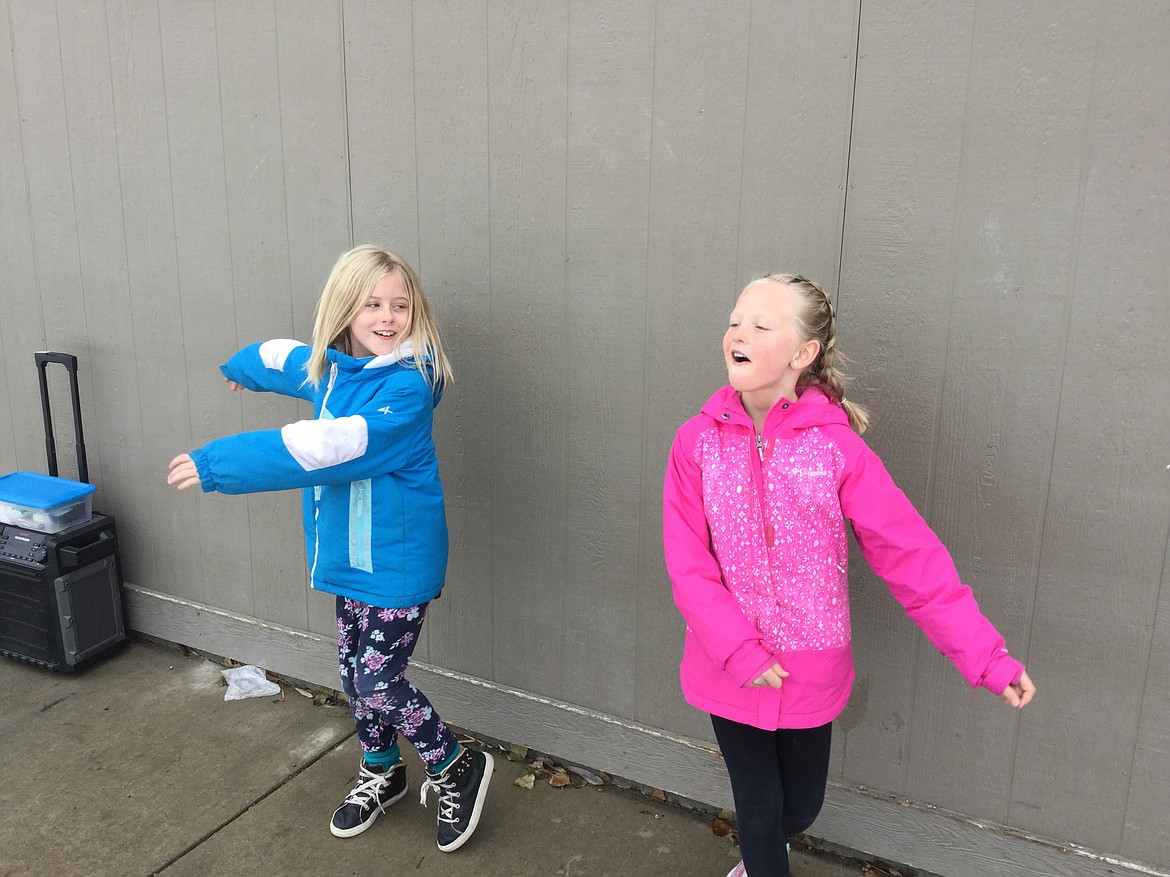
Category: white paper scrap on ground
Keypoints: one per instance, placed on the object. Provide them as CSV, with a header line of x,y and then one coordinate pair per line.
x,y
248,681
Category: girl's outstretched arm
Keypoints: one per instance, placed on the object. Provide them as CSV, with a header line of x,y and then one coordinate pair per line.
x,y
389,431
902,549
276,366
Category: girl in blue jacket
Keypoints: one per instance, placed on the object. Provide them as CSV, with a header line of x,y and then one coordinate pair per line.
x,y
375,529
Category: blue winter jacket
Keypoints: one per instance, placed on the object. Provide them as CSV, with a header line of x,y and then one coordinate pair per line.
x,y
375,528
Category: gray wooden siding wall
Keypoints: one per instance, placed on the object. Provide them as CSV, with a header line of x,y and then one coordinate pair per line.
x,y
584,188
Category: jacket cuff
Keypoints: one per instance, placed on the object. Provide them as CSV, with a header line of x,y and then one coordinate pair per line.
x,y
1004,672
206,479
748,662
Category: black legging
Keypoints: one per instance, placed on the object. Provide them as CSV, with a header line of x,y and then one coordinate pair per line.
x,y
778,779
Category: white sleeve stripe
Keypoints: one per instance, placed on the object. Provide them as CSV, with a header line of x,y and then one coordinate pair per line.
x,y
274,353
316,444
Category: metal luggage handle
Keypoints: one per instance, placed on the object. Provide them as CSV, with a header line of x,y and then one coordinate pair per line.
x,y
43,358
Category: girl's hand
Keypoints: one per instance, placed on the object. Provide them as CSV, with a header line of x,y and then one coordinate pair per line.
x,y
183,473
233,386
773,677
1020,694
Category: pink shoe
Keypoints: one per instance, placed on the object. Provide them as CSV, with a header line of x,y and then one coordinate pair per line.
x,y
737,871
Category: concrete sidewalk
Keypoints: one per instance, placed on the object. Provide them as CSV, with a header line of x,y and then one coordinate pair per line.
x,y
137,766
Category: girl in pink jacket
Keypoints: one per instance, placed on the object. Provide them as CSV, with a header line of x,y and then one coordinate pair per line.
x,y
758,489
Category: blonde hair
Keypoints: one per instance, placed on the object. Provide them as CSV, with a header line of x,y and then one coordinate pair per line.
x,y
817,321
348,290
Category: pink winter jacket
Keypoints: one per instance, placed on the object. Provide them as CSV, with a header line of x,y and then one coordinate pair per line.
x,y
754,532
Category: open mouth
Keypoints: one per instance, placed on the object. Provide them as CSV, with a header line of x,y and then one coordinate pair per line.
x,y
736,356
384,334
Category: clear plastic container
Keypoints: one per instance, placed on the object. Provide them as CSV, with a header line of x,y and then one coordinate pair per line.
x,y
42,502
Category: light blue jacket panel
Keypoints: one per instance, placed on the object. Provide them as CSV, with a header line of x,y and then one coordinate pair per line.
x,y
375,527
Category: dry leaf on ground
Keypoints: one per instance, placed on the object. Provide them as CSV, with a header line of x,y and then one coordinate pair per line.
x,y
559,780
589,776
878,868
524,781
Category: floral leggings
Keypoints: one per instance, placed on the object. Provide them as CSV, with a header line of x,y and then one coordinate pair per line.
x,y
374,646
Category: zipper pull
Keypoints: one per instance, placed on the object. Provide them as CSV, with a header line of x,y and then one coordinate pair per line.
x,y
760,445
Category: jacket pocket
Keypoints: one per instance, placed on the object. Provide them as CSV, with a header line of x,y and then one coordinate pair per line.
x,y
818,682
360,525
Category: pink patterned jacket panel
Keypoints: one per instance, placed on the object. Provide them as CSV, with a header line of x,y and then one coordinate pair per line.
x,y
781,545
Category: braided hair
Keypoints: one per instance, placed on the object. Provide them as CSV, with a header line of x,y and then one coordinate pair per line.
x,y
817,322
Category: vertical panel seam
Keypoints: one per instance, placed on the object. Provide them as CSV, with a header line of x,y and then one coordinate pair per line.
x,y
566,316
940,395
848,160
345,117
414,109
1066,329
197,516
32,231
73,199
284,181
348,158
418,265
150,536
747,90
646,346
174,223
7,371
227,202
227,209
1149,645
1145,687
487,84
844,227
283,166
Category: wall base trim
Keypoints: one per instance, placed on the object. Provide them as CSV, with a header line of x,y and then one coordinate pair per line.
x,y
880,825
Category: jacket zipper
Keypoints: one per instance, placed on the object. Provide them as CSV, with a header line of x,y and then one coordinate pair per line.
x,y
329,387
769,530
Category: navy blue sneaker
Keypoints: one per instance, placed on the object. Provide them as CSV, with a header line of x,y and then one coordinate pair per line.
x,y
462,788
376,789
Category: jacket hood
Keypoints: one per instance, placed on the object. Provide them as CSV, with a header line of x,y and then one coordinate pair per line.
x,y
371,367
812,408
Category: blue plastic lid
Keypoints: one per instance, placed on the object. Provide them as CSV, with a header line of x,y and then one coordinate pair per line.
x,y
41,491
